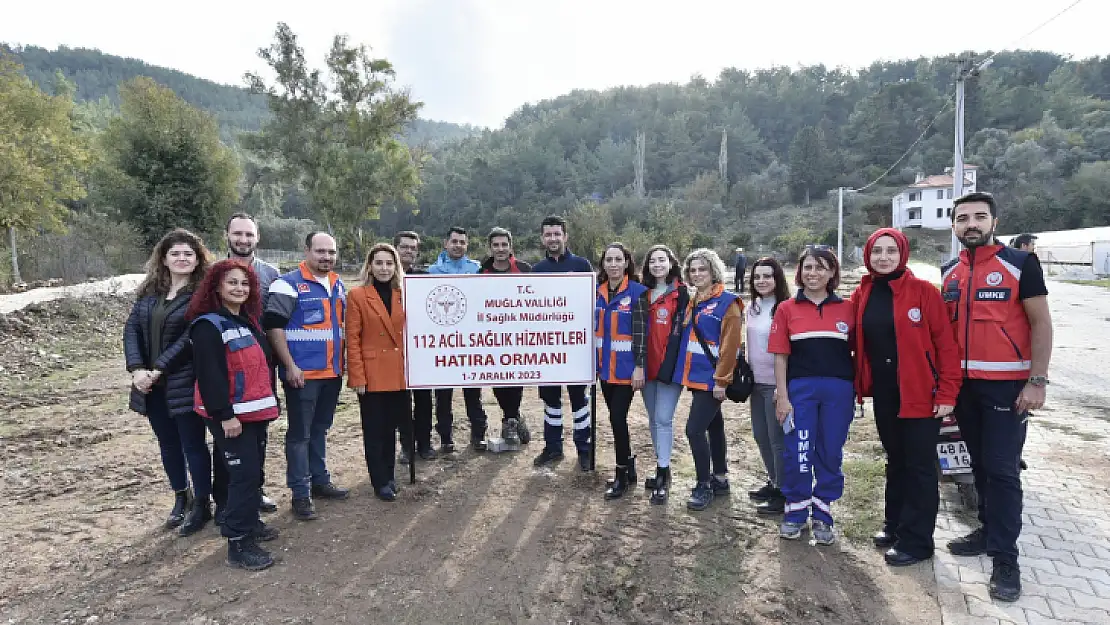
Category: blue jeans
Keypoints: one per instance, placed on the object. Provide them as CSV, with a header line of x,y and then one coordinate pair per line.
x,y
182,443
661,401
311,412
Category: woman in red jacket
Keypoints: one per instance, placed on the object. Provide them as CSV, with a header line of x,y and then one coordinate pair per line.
x,y
906,359
663,301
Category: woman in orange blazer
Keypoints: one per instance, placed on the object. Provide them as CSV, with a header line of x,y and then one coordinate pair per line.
x,y
376,363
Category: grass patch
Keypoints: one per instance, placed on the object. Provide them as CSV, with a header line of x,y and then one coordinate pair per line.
x,y
861,509
1104,283
859,513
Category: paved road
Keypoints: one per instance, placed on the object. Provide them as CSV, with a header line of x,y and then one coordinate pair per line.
x,y
1065,541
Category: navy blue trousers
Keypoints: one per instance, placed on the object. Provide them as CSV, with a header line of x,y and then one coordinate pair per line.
x,y
552,397
995,434
814,449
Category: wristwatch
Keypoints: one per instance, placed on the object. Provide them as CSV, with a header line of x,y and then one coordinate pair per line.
x,y
1038,380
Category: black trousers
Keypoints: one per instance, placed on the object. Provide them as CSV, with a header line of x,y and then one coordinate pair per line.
x,y
242,457
381,413
995,434
445,419
705,431
618,399
220,476
509,398
421,422
912,488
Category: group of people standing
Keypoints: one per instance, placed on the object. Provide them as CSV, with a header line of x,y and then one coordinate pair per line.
x,y
201,344
979,347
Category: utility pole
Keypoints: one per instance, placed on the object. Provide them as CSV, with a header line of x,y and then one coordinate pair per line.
x,y
722,158
840,228
958,150
641,139
966,71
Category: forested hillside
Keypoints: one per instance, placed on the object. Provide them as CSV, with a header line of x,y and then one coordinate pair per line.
x,y
97,76
1037,124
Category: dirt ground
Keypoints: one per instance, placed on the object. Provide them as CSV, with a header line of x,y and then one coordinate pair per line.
x,y
479,538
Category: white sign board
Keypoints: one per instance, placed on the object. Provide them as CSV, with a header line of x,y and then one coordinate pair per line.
x,y
499,330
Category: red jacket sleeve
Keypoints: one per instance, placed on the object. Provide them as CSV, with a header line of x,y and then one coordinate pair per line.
x,y
944,345
779,341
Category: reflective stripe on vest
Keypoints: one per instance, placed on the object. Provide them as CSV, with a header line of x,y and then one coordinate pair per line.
x,y
694,369
252,398
613,331
315,330
982,295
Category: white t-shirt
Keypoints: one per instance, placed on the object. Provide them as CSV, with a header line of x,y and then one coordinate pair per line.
x,y
759,332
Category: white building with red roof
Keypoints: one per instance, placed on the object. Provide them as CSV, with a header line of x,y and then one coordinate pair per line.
x,y
927,203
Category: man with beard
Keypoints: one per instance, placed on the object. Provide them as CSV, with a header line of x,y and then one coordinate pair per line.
x,y
559,259
304,322
453,260
407,244
242,241
998,304
502,260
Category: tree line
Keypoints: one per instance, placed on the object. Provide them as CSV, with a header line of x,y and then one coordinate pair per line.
x,y
744,159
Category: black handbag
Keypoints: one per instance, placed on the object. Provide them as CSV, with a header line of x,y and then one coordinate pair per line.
x,y
740,389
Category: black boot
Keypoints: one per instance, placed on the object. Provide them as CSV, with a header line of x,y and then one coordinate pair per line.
x,y
632,477
773,506
244,553
649,483
662,485
619,485
200,513
181,501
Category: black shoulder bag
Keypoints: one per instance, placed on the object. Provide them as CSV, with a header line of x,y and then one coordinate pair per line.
x,y
740,389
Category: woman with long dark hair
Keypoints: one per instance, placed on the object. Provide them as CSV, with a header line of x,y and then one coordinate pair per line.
x,y
376,362
665,298
908,361
234,393
620,351
156,348
768,287
810,338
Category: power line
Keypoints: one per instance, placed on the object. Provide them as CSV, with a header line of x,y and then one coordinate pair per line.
x,y
913,145
1028,34
951,97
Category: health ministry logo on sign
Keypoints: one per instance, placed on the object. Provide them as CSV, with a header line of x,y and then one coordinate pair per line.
x,y
446,305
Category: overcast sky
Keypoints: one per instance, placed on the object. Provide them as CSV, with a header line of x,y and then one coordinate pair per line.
x,y
475,61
